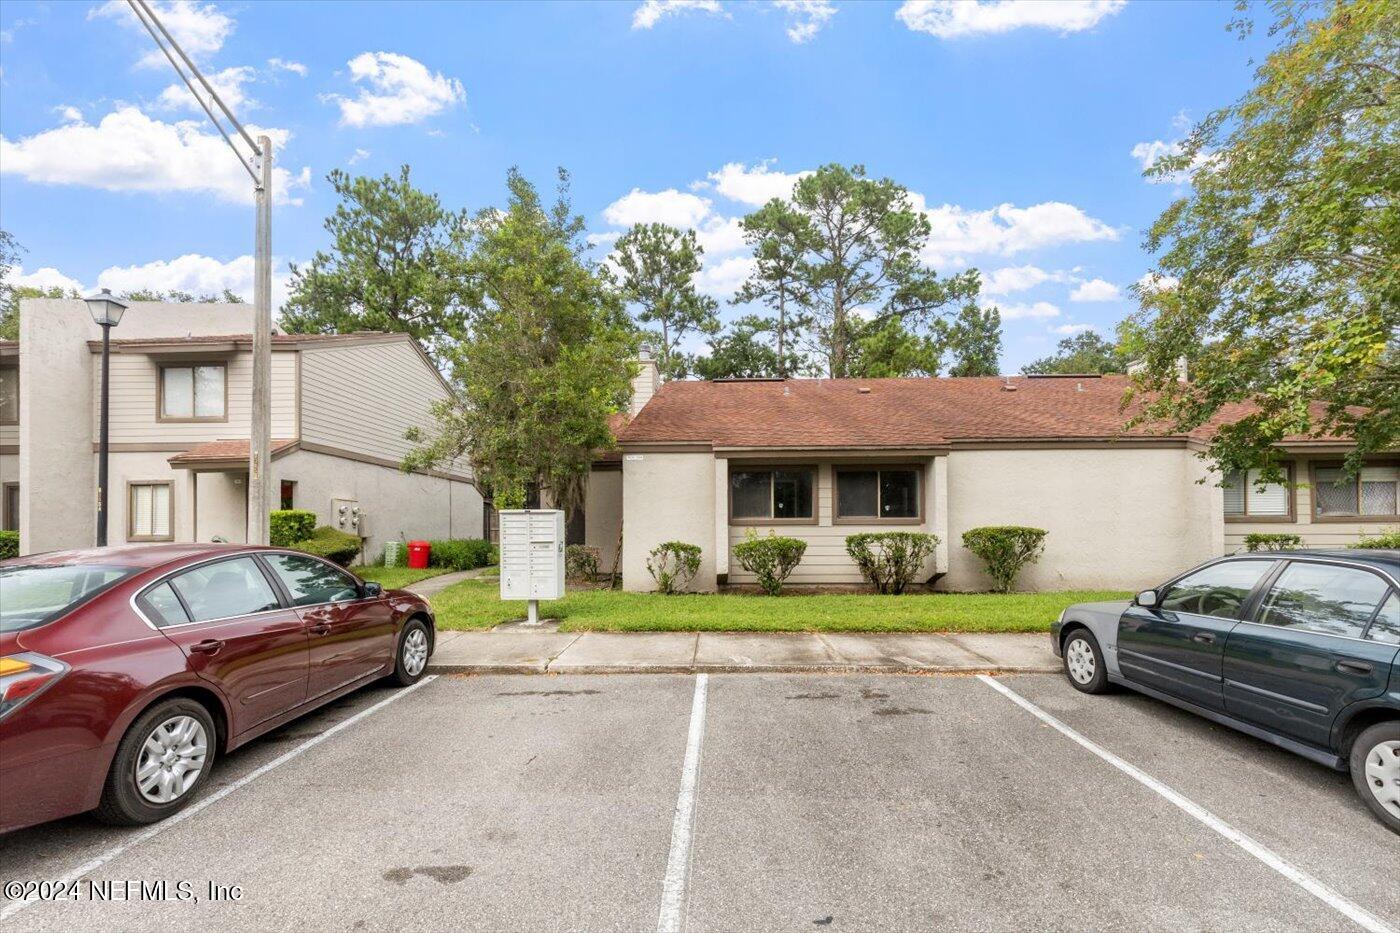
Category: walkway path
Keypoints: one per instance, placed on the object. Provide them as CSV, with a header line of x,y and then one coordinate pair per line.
x,y
434,585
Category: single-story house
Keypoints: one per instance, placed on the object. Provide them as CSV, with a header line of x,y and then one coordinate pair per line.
x,y
819,459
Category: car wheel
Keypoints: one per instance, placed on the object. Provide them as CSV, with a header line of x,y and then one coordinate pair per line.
x,y
1083,662
1375,770
411,660
160,765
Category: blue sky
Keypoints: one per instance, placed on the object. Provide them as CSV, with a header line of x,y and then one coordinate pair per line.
x,y
1021,127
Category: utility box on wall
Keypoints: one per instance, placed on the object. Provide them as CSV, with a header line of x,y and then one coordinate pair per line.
x,y
347,516
532,555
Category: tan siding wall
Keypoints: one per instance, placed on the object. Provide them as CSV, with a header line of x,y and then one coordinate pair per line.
x,y
134,387
1314,533
826,560
364,398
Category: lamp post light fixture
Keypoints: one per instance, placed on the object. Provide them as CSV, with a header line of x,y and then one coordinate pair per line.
x,y
106,313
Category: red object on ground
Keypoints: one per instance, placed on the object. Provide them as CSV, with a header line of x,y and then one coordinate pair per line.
x,y
418,555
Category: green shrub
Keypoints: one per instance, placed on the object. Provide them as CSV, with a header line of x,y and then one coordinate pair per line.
x,y
1006,550
890,560
581,563
673,565
1386,540
286,526
331,543
9,544
1259,541
461,553
771,559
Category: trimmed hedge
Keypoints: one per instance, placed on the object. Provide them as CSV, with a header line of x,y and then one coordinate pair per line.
x,y
1386,540
9,544
461,553
287,526
331,543
771,559
1006,550
890,560
1274,541
673,565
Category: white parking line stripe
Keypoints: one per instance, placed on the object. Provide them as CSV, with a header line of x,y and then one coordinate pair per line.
x,y
1307,882
683,824
156,829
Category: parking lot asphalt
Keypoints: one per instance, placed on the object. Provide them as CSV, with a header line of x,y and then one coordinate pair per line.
x,y
820,802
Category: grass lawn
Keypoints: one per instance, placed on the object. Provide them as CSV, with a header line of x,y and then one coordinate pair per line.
x,y
474,604
395,578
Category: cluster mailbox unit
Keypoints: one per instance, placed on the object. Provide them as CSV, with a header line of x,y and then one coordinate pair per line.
x,y
532,556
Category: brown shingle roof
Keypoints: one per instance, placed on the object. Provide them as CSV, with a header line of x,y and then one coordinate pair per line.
x,y
226,451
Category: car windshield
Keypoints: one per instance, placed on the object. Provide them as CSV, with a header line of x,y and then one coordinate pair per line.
x,y
33,595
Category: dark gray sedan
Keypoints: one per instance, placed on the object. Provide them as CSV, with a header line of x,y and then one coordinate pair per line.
x,y
1296,648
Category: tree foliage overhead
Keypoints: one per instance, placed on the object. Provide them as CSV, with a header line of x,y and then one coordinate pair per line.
x,y
974,340
394,265
1287,248
746,351
780,238
658,266
1087,352
544,359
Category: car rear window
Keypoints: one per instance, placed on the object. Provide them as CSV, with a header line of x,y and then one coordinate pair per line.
x,y
33,595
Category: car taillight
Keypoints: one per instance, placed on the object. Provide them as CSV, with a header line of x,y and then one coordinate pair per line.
x,y
25,676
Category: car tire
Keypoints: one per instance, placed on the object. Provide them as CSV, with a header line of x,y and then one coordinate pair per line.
x,y
411,655
1375,771
143,787
1083,662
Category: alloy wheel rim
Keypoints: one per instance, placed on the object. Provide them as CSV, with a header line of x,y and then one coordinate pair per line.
x,y
171,759
1080,660
1383,775
415,652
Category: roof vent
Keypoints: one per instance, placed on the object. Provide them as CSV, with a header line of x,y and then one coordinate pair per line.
x,y
1079,387
863,390
1008,386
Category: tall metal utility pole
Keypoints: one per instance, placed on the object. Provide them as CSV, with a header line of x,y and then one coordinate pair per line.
x,y
259,166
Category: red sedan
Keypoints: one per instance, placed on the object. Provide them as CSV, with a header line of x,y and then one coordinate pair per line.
x,y
125,671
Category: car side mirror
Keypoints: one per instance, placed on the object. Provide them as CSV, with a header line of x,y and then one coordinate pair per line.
x,y
373,590
1147,599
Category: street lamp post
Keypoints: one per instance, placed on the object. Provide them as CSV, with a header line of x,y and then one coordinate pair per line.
x,y
107,313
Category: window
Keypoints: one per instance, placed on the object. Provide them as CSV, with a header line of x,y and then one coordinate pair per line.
x,y
1386,625
9,395
31,596
162,606
312,582
225,590
11,508
1217,590
1323,598
148,512
192,393
877,494
771,495
1245,497
288,494
1372,492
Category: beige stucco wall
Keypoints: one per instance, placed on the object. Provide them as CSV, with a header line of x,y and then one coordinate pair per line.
x,y
1124,518
667,497
602,515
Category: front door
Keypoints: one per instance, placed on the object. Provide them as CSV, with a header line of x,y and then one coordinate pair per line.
x,y
350,636
1177,646
228,620
1310,652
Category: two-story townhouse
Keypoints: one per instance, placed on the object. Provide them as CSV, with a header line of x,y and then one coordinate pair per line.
x,y
181,388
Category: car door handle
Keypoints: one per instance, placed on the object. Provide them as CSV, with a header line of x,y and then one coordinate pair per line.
x,y
1205,638
208,646
319,628
1354,667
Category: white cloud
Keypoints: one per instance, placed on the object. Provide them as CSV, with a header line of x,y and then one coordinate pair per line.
x,y
651,12
228,84
1069,330
1039,309
1095,290
1010,279
1007,229
69,113
280,64
604,238
129,151
719,235
46,278
677,208
200,28
1149,153
722,279
359,155
805,17
756,185
395,89
950,19
195,274
1153,282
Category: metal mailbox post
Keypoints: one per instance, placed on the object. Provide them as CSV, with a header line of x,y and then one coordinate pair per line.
x,y
532,556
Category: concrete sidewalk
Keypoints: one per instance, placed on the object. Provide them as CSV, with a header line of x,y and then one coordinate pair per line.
x,y
737,652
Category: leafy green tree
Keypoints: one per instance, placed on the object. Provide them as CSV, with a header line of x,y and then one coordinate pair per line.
x,y
974,339
862,272
9,299
1285,248
544,359
888,348
179,297
1086,352
658,265
780,238
743,351
395,265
